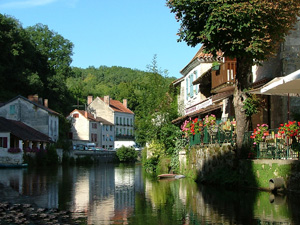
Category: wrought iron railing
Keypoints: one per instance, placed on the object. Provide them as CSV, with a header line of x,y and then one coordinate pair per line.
x,y
217,134
273,147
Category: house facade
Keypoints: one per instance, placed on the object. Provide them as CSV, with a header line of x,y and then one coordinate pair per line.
x,y
17,138
32,112
116,113
85,128
206,87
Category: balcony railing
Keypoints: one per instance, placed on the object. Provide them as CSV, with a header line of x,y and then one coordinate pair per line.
x,y
124,137
271,148
225,75
215,135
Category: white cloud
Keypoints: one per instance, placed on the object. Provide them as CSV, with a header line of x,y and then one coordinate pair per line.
x,y
26,4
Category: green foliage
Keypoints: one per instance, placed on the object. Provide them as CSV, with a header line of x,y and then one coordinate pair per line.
x,y
240,28
127,154
150,164
180,144
252,105
42,158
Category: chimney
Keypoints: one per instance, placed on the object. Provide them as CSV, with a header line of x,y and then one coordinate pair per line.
x,y
89,99
46,102
33,98
106,99
85,114
125,102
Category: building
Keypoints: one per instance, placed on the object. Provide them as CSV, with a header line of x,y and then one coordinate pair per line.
x,y
279,109
87,128
206,87
32,112
116,113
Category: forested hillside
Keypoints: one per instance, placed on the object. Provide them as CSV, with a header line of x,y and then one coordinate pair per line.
x,y
37,60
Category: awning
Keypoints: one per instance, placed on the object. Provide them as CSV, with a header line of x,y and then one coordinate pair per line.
x,y
287,85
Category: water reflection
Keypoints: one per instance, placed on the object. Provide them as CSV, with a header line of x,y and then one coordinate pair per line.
x,y
120,194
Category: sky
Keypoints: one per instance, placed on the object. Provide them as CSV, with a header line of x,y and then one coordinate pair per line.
x,y
126,33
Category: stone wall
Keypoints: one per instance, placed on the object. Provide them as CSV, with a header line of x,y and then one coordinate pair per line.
x,y
217,165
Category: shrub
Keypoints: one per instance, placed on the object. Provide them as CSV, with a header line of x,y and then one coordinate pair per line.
x,y
126,154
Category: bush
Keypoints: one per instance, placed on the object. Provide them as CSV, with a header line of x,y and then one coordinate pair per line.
x,y
126,154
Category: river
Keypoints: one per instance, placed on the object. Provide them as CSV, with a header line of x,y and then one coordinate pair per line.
x,y
123,194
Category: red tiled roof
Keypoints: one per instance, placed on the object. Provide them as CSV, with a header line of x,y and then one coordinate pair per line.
x,y
117,106
89,115
207,56
22,131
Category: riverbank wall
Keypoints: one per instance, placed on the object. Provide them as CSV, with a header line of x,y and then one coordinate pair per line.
x,y
217,164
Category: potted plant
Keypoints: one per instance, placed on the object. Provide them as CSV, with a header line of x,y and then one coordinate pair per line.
x,y
215,66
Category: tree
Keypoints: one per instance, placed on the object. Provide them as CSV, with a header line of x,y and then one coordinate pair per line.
x,y
58,51
19,61
248,30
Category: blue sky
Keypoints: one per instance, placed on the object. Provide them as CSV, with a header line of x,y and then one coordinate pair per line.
x,y
125,33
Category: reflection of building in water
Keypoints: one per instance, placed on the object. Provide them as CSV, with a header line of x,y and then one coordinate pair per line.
x,y
37,186
124,188
102,193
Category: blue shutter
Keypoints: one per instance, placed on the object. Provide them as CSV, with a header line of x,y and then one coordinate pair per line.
x,y
191,85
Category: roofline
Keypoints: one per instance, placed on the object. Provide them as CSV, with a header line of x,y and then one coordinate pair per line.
x,y
34,103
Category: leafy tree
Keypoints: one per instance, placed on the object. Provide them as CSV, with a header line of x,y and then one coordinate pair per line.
x,y
127,154
58,51
21,64
246,30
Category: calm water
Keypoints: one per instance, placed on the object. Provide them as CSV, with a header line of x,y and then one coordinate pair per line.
x,y
116,194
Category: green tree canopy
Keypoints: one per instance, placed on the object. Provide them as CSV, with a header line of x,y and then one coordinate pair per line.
x,y
58,51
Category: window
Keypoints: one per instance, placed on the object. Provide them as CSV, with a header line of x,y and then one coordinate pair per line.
x,y
124,121
111,128
127,131
103,137
12,109
75,115
131,123
117,120
106,127
117,131
94,125
94,137
127,121
111,138
3,142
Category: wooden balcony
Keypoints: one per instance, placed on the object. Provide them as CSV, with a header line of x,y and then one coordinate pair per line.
x,y
225,76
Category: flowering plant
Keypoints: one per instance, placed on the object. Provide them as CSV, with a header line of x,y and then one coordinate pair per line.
x,y
209,120
14,150
259,134
290,129
192,127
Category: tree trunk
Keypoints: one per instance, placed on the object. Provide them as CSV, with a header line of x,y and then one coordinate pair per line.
x,y
244,66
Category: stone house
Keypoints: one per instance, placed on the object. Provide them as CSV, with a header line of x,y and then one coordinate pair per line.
x,y
15,137
87,128
116,113
279,109
32,112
